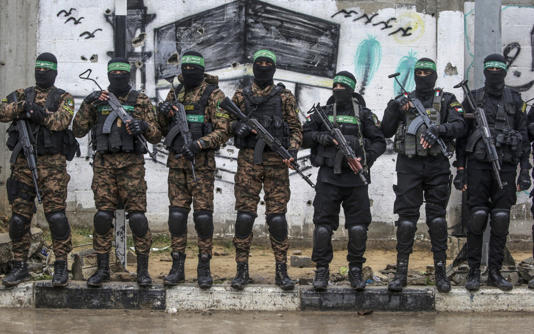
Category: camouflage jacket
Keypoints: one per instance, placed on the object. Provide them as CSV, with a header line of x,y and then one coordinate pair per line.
x,y
213,113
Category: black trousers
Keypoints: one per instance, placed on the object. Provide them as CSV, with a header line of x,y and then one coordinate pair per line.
x,y
484,194
327,202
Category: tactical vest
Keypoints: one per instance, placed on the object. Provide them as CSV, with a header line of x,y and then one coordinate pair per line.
x,y
268,111
507,140
118,140
410,145
47,142
196,120
351,128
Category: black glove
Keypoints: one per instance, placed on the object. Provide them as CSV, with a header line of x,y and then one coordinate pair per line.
x,y
523,180
431,134
401,101
191,150
165,108
136,127
93,98
459,179
242,129
324,138
34,112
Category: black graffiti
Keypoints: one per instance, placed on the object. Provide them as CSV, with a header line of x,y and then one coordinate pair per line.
x,y
510,52
90,34
65,13
76,21
405,31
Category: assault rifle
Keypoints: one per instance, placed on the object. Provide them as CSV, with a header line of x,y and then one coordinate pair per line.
x,y
483,128
422,118
342,143
181,127
118,111
264,135
26,146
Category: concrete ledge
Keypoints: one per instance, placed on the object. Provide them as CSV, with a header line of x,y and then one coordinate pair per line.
x,y
20,296
520,299
223,297
372,298
115,295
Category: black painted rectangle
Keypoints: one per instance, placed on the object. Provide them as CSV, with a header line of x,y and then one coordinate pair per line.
x,y
114,295
377,299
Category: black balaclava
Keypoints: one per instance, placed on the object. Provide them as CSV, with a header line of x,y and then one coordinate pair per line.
x,y
119,84
425,85
263,75
193,77
348,81
494,84
46,79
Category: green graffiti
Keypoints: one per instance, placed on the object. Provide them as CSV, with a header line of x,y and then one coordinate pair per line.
x,y
406,68
366,61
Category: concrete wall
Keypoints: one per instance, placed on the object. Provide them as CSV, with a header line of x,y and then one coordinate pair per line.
x,y
369,38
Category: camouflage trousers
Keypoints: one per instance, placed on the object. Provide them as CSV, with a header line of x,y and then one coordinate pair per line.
x,y
52,181
119,183
183,190
205,246
242,249
272,174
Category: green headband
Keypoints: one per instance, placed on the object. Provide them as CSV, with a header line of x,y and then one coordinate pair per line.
x,y
425,65
195,60
496,64
119,67
46,64
266,54
345,80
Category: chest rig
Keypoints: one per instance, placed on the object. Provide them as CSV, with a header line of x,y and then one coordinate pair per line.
x,y
501,119
198,123
410,145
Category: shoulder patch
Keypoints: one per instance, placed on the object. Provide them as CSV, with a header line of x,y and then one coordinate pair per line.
x,y
219,111
524,108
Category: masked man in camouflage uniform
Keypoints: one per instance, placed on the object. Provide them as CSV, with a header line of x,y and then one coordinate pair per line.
x,y
423,171
276,109
118,167
208,124
338,183
47,111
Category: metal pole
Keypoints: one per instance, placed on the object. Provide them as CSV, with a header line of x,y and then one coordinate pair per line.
x,y
487,41
119,21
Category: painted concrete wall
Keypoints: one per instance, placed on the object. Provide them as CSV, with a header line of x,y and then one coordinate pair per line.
x,y
370,39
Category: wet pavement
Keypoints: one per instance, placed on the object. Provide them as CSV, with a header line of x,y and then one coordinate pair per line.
x,y
120,321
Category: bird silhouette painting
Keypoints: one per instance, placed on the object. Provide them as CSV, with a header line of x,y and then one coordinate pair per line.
x,y
65,13
90,34
76,21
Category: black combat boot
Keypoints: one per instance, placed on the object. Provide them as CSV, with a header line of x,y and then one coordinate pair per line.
x,y
440,272
18,274
61,274
241,278
281,278
176,275
203,272
143,278
401,276
495,279
473,279
322,275
355,277
102,272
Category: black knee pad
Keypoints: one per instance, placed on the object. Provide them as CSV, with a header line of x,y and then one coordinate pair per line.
x,y
178,221
243,224
138,223
277,226
406,229
500,221
17,226
357,233
322,235
437,227
203,223
103,222
59,225
479,217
